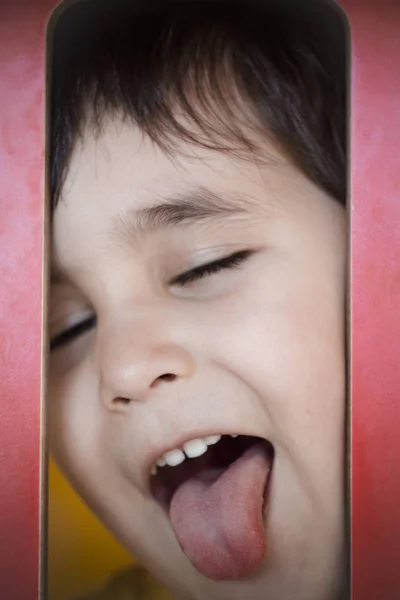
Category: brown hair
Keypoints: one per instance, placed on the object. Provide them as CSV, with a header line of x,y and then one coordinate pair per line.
x,y
199,59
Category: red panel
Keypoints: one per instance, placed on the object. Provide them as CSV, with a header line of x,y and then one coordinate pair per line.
x,y
375,299
22,27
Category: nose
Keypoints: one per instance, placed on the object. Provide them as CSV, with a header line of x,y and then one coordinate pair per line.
x,y
132,370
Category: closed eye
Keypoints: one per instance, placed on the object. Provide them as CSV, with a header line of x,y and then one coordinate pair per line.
x,y
69,335
229,262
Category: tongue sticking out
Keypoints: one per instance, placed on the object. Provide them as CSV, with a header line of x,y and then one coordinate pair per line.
x,y
218,519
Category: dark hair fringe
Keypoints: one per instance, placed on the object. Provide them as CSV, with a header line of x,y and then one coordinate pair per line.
x,y
212,73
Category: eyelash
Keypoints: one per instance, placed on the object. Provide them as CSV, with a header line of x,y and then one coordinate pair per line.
x,y
69,335
229,262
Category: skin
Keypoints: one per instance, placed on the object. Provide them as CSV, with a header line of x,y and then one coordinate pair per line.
x,y
256,350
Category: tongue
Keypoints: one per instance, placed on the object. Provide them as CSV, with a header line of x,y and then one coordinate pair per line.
x,y
218,519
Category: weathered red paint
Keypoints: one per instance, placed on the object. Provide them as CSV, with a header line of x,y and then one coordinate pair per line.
x,y
375,321
22,47
375,262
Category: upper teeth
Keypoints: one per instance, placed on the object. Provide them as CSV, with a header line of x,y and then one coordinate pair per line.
x,y
191,449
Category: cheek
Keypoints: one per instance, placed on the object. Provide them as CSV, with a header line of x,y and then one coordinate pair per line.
x,y
284,336
286,342
74,422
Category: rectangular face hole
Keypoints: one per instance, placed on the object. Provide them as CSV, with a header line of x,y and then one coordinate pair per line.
x,y
198,176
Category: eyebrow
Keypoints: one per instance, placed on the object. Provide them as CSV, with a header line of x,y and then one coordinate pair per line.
x,y
187,208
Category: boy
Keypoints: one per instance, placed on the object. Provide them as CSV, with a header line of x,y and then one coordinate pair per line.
x,y
197,388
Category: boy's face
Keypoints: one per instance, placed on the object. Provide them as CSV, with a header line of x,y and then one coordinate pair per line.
x,y
254,347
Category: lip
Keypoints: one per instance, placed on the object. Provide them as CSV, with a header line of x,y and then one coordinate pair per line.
x,y
267,490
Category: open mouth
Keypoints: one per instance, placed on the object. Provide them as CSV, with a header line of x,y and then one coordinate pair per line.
x,y
208,457
215,491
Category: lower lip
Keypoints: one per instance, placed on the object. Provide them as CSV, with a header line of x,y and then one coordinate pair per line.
x,y
267,490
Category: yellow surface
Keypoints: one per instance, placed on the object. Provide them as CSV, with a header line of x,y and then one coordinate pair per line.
x,y
133,584
82,554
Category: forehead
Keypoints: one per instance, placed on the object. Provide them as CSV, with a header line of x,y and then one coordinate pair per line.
x,y
121,155
122,165
120,171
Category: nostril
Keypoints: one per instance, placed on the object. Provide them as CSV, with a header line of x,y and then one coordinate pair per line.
x,y
166,377
124,401
121,400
